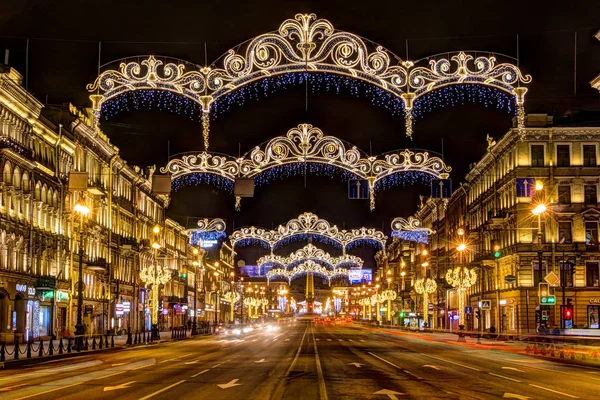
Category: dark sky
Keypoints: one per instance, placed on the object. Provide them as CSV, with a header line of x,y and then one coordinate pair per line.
x,y
63,58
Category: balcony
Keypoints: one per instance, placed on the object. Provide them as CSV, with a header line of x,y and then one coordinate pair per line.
x,y
8,143
128,242
96,187
97,264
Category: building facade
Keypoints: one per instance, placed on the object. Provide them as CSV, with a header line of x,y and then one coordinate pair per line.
x,y
506,235
40,234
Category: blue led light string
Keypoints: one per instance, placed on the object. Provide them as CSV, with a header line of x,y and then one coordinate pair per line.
x,y
161,100
197,179
318,81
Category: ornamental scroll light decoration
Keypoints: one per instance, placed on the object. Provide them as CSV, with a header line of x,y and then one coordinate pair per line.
x,y
410,230
306,45
304,145
310,252
305,226
461,278
307,267
425,287
208,229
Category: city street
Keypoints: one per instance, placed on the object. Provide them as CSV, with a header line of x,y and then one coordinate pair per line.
x,y
303,361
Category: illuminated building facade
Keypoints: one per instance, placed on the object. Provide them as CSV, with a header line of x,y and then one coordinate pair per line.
x,y
39,231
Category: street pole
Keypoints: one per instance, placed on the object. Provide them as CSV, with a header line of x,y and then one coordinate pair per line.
x,y
79,329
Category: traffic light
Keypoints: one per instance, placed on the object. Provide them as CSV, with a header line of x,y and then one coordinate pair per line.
x,y
496,248
184,272
477,314
572,268
568,312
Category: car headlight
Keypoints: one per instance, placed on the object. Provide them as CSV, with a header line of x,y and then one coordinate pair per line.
x,y
236,331
248,329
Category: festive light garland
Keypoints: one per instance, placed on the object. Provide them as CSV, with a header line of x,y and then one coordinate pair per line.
x,y
410,230
310,252
307,267
307,224
208,229
425,287
306,149
307,48
155,275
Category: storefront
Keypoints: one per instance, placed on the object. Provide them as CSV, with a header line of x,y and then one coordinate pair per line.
x,y
593,310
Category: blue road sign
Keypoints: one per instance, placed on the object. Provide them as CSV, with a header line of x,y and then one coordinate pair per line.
x,y
358,189
525,187
468,310
441,188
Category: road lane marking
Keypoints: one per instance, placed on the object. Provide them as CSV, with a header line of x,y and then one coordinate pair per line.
x,y
329,340
340,340
350,340
287,340
504,377
362,340
513,369
6,389
431,366
162,390
295,360
275,337
200,373
218,365
229,384
322,388
394,365
554,391
451,362
51,371
38,390
121,386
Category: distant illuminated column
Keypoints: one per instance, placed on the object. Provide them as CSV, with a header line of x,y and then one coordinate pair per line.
x,y
425,287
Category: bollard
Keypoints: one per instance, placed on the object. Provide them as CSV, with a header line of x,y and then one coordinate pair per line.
x,y
16,356
41,352
69,345
28,348
112,341
94,343
173,334
60,346
106,341
51,348
100,344
2,352
129,339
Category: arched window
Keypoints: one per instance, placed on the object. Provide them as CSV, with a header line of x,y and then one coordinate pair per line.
x,y
7,175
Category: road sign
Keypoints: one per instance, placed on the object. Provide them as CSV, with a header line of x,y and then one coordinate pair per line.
x,y
468,310
358,189
441,188
548,300
552,279
525,187
485,304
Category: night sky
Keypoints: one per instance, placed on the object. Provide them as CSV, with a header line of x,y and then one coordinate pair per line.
x,y
63,58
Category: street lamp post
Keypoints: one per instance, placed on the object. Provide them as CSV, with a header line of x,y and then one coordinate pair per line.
x,y
425,287
195,263
461,278
155,275
82,209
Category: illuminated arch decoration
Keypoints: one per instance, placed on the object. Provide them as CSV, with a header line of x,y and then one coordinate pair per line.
x,y
300,48
313,253
208,229
308,225
307,267
410,230
302,146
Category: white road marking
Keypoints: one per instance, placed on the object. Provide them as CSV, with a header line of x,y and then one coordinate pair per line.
x,y
200,373
322,387
362,340
431,366
451,362
554,391
287,340
504,377
329,340
513,369
218,365
394,365
229,384
162,390
121,386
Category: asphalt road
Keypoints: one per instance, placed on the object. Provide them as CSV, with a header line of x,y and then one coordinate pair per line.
x,y
301,361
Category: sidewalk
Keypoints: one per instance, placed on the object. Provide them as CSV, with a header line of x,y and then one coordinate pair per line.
x,y
41,349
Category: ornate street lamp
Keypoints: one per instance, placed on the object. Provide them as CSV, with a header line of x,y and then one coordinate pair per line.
x,y
425,287
83,210
155,275
461,278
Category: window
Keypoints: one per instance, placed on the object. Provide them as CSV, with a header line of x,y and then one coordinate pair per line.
x,y
564,232
591,233
567,273
537,155
590,194
592,312
564,194
589,155
563,155
592,273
